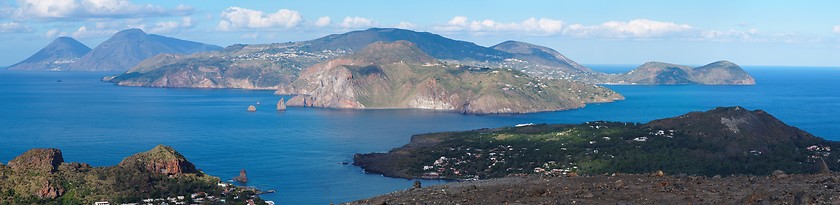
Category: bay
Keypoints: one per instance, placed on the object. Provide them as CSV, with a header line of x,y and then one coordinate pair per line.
x,y
299,152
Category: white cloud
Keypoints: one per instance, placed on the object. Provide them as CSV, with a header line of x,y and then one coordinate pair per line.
x,y
13,27
358,22
458,21
83,32
84,9
730,34
534,26
406,25
638,28
171,26
837,29
238,18
323,21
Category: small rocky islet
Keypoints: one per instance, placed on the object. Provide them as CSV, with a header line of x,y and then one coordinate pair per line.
x,y
160,175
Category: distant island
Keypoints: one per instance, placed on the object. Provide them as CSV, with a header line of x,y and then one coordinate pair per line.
x,y
658,73
56,56
722,141
160,175
119,53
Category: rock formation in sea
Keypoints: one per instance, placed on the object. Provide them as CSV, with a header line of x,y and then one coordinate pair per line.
x,y
251,108
243,177
281,105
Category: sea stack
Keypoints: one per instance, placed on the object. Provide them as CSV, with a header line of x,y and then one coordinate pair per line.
x,y
281,105
251,108
242,177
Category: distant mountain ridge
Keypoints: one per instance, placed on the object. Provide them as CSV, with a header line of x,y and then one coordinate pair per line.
x,y
58,55
128,47
400,75
282,62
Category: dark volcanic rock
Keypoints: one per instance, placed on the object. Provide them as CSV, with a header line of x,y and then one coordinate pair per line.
x,y
735,126
624,189
161,159
41,160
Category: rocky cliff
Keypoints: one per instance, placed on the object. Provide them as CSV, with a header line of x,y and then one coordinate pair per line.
x,y
161,159
40,176
400,75
40,160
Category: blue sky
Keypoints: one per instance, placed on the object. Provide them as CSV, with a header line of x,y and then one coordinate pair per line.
x,y
780,33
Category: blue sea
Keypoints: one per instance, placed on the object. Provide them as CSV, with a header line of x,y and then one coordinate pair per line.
x,y
299,153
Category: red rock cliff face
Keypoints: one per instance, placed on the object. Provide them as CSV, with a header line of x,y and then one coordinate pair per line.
x,y
41,160
49,190
161,159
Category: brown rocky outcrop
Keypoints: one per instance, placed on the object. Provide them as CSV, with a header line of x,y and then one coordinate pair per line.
x,y
281,105
161,159
49,190
243,177
41,160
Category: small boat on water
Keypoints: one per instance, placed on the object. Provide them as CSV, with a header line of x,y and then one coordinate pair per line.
x,y
524,124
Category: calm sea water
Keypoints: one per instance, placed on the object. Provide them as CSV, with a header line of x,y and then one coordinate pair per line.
x,y
298,152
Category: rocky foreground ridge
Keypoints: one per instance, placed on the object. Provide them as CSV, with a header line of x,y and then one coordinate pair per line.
x,y
627,189
41,176
401,75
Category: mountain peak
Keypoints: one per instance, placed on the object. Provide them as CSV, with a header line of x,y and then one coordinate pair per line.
x,y
721,63
540,54
127,48
736,125
57,55
130,32
41,160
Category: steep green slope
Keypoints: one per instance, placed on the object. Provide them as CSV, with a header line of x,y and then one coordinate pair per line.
x,y
722,141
